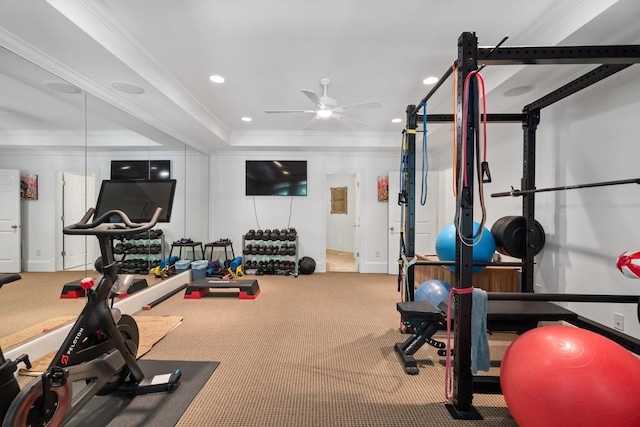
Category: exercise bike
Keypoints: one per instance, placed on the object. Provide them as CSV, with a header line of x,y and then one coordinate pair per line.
x,y
98,356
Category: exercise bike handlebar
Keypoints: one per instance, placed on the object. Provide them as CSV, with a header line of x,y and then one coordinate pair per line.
x,y
84,227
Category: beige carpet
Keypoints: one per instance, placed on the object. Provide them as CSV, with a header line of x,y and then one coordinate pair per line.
x,y
312,351
34,331
151,328
36,298
309,351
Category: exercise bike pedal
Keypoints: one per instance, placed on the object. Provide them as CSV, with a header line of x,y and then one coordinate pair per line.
x,y
155,384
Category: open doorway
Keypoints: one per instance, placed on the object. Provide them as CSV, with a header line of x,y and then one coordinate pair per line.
x,y
342,223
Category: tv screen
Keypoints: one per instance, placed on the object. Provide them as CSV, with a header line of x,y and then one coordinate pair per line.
x,y
140,169
276,178
138,199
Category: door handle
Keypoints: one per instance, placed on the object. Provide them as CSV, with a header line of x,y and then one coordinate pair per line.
x,y
391,228
14,226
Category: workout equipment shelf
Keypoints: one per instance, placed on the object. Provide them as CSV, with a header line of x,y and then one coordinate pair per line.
x,y
248,289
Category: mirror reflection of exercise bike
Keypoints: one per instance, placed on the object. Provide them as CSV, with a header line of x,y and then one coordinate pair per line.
x,y
98,356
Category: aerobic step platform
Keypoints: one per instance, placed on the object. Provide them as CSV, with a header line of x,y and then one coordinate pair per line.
x,y
249,289
74,290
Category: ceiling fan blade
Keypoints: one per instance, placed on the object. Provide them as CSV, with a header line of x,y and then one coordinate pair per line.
x,y
313,97
306,125
348,119
289,111
360,106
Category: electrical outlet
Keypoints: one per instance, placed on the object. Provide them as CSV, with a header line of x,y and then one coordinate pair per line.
x,y
618,321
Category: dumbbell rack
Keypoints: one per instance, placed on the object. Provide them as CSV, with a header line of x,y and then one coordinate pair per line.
x,y
137,254
258,259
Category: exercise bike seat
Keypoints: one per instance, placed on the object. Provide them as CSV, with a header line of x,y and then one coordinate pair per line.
x,y
8,278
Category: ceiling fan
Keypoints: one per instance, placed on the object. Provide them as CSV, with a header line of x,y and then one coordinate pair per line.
x,y
327,107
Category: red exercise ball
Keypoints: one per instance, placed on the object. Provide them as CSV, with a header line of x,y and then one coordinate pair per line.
x,y
566,376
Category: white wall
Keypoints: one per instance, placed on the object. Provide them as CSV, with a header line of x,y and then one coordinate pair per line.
x,y
232,213
340,230
590,137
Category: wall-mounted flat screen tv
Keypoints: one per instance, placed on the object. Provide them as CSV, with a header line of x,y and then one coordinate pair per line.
x,y
138,199
140,169
276,178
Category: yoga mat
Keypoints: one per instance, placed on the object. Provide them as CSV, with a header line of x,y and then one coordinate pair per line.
x,y
155,409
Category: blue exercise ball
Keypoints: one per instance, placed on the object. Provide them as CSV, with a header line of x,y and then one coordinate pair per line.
x,y
483,249
433,291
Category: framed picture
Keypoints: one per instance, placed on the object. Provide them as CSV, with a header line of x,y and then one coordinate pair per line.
x,y
28,187
339,200
383,188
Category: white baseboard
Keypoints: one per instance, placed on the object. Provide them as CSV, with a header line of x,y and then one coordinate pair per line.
x,y
374,267
44,266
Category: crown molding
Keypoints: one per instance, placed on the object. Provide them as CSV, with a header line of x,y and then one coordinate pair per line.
x,y
30,53
95,19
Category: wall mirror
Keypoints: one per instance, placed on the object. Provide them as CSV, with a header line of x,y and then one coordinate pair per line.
x,y
62,142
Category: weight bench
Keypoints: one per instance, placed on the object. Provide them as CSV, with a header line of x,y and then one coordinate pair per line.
x,y
502,316
249,289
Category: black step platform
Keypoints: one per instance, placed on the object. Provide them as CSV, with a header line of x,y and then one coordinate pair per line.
x,y
249,289
502,316
74,290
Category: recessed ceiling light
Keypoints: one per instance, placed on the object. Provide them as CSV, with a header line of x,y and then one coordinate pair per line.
x,y
324,113
517,91
216,79
246,119
63,87
396,120
430,80
127,87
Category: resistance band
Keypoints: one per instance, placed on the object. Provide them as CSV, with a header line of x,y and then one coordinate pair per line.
x,y
481,166
425,162
402,200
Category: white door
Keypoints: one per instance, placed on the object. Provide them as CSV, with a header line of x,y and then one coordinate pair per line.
x,y
10,229
356,224
76,191
426,224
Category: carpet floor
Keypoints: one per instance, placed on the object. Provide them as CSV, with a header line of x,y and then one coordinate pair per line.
x,y
315,350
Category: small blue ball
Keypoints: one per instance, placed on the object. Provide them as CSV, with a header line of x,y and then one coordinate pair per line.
x,y
433,291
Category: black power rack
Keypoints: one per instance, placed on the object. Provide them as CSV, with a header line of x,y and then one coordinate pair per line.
x,y
613,60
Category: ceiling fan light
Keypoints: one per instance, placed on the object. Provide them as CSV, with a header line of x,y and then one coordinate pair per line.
x,y
324,114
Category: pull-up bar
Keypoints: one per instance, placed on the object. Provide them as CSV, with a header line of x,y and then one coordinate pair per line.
x,y
448,73
433,90
516,193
